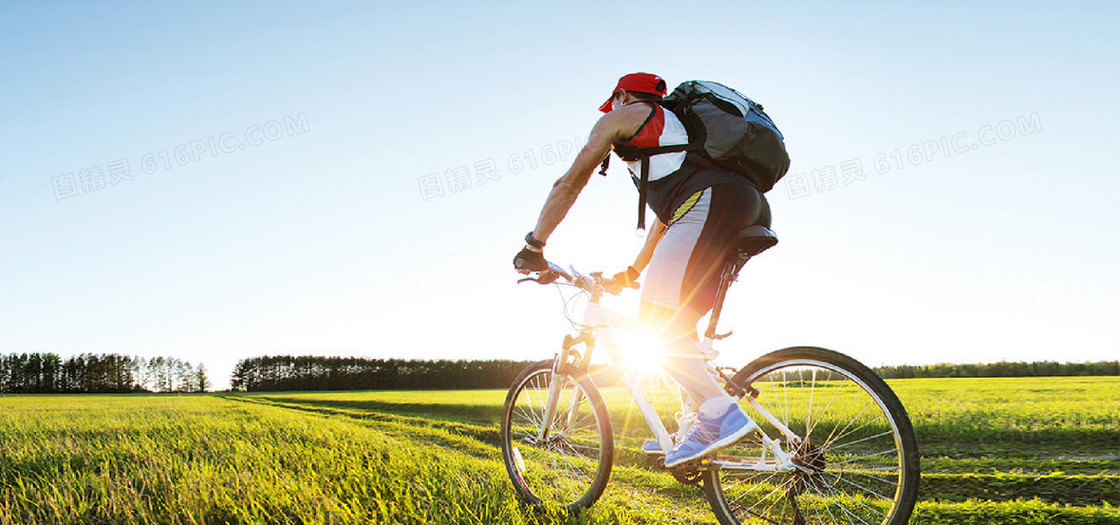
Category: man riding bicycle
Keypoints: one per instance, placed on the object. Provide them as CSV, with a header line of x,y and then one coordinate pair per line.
x,y
699,212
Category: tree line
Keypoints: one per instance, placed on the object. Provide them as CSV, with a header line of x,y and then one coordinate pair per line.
x,y
47,373
1001,369
115,373
285,372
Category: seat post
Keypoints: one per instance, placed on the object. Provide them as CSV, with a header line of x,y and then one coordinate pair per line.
x,y
728,275
751,241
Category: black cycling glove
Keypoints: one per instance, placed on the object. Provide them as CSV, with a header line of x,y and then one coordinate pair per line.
x,y
627,278
527,259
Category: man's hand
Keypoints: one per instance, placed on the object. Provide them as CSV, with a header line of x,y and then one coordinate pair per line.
x,y
528,260
628,278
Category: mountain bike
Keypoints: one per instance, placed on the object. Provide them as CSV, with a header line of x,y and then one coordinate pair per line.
x,y
834,444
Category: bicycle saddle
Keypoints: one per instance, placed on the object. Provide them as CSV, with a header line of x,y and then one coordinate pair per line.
x,y
754,240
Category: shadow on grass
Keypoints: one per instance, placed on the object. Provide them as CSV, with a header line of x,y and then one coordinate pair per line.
x,y
486,415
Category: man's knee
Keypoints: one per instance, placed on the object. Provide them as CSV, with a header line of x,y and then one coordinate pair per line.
x,y
666,322
674,329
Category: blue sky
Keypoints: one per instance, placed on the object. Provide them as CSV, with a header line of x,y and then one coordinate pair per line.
x,y
953,196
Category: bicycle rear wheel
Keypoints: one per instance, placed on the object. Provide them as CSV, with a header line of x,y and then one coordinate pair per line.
x,y
858,457
568,464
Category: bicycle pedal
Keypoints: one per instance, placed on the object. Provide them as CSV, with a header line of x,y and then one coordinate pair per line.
x,y
691,472
698,464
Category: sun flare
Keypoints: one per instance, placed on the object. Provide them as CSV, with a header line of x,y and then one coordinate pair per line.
x,y
641,350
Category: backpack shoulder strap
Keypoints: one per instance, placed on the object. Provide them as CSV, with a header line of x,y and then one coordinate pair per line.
x,y
643,179
657,150
653,111
629,152
622,149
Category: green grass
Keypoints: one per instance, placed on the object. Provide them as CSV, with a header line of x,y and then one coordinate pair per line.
x,y
1071,413
1037,450
205,459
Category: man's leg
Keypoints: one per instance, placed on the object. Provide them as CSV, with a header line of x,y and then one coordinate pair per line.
x,y
720,420
676,332
680,288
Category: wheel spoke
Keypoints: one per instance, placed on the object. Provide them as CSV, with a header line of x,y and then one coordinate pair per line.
x,y
809,406
832,436
850,443
862,470
569,467
809,430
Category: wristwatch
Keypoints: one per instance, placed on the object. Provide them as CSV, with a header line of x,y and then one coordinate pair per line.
x,y
532,241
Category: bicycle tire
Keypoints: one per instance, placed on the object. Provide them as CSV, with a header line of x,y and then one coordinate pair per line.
x,y
570,469
866,470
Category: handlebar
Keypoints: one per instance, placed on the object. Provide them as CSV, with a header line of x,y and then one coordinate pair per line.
x,y
595,284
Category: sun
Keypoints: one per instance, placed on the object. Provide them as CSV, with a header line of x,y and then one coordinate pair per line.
x,y
641,350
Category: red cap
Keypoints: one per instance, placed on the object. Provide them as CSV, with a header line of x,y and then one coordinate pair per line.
x,y
638,82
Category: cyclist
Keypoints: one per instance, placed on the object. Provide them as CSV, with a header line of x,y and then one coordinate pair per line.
x,y
699,211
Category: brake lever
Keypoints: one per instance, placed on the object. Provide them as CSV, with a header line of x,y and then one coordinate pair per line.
x,y
543,277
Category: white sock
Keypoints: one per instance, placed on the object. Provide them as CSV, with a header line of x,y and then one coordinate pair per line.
x,y
716,406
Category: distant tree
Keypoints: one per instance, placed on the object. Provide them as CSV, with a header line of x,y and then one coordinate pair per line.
x,y
184,376
1002,369
201,383
285,372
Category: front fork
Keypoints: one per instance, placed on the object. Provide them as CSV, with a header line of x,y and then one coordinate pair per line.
x,y
560,381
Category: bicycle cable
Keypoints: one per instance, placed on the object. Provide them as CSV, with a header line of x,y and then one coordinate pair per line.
x,y
568,304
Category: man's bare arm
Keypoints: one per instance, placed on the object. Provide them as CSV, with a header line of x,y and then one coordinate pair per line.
x,y
569,186
652,238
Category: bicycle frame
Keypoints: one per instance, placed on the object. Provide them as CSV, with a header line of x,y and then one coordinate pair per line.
x,y
862,465
599,323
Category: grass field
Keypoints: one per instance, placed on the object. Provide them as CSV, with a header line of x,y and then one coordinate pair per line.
x,y
1036,450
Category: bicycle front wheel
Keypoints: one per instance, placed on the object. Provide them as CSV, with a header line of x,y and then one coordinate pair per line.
x,y
856,461
563,460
